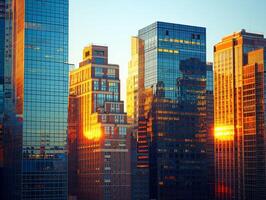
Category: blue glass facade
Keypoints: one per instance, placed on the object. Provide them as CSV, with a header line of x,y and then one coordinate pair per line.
x,y
2,50
37,122
174,104
166,46
2,46
210,129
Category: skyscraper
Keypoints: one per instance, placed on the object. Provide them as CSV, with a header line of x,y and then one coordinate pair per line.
x,y
135,82
2,50
36,99
172,112
103,145
73,120
239,117
210,129
135,88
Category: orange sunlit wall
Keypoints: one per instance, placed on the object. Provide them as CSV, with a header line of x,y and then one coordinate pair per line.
x,y
236,101
224,119
19,53
253,125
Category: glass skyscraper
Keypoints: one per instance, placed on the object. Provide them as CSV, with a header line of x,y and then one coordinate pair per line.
x,y
2,50
210,128
171,148
36,99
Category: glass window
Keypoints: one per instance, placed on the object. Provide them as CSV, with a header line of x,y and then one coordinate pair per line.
x,y
122,131
99,61
98,72
95,85
111,73
103,85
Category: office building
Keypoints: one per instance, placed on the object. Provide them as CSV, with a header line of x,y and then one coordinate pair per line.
x,y
73,114
171,148
239,137
2,50
36,99
103,143
210,129
135,86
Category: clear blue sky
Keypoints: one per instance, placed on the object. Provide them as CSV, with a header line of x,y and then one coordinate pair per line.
x,y
113,22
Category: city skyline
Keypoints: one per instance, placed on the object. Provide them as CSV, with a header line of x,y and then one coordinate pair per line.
x,y
107,27
132,100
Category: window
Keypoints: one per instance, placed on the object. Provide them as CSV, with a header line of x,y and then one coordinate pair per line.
x,y
100,99
103,85
95,85
99,61
116,118
98,53
111,73
112,107
115,97
113,87
109,97
117,107
121,119
98,72
112,130
122,131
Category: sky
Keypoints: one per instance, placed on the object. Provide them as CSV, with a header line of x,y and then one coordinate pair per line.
x,y
113,22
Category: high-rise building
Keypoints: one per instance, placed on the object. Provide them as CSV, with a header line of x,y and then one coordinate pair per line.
x,y
171,137
239,110
210,129
73,114
36,99
135,86
2,50
103,145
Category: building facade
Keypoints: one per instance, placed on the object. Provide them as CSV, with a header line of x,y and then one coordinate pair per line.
x,y
2,51
239,137
103,145
135,87
210,129
36,99
135,83
171,147
73,114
